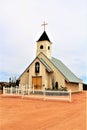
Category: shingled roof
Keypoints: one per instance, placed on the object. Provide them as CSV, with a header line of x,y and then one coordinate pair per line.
x,y
44,37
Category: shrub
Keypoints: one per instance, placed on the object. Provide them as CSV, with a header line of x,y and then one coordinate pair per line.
x,y
62,88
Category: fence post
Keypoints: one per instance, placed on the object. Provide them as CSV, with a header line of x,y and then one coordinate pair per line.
x,y
33,88
28,89
70,96
22,91
44,94
16,90
11,90
3,89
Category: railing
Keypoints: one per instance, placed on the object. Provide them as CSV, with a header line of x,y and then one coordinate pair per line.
x,y
45,94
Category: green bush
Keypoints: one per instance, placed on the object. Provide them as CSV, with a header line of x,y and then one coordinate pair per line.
x,y
62,88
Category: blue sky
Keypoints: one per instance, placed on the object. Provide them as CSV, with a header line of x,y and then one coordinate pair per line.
x,y
20,28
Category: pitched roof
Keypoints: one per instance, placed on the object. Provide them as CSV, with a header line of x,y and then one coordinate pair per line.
x,y
70,77
42,61
49,69
65,71
43,37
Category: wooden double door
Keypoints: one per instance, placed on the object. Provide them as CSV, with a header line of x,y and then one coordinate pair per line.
x,y
37,82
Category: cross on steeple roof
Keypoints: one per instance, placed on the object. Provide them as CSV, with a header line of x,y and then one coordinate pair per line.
x,y
44,24
44,35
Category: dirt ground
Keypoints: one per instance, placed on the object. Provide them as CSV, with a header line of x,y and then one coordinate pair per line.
x,y
30,114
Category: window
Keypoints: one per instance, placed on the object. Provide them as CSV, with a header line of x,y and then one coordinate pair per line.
x,y
56,85
48,47
27,71
37,67
41,47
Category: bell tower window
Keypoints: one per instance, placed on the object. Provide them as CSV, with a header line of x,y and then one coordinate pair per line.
x,y
37,67
41,47
48,47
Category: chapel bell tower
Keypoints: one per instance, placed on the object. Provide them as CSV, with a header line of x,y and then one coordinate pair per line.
x,y
44,44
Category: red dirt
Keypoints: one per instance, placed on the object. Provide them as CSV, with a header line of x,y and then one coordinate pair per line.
x,y
29,114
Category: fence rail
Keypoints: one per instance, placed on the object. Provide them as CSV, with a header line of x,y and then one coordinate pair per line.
x,y
45,94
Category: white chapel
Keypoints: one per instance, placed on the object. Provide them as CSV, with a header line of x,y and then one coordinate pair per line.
x,y
47,72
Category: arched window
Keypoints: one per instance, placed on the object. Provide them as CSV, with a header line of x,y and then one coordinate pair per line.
x,y
37,67
56,85
41,47
48,47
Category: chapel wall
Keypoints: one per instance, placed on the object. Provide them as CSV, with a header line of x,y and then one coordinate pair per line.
x,y
24,78
45,49
74,87
57,76
42,73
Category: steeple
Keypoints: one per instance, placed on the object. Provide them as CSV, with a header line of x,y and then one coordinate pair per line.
x,y
43,37
44,44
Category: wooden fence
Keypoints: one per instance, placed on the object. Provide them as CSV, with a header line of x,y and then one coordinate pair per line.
x,y
45,94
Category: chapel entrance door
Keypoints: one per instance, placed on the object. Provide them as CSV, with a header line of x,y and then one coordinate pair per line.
x,y
37,82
